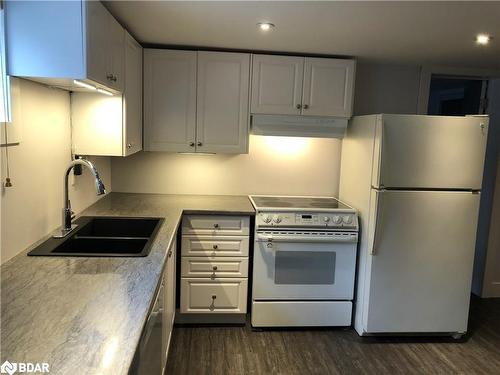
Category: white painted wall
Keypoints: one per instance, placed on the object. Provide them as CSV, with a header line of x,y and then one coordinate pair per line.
x,y
491,285
274,165
486,280
32,207
383,88
279,166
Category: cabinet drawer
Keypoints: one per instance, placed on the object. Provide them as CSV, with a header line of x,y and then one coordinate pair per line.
x,y
233,246
213,296
214,267
216,225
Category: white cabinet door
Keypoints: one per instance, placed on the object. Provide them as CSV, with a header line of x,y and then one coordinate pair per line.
x,y
116,55
277,84
328,87
105,52
197,245
204,295
169,100
216,225
97,42
169,314
132,98
222,102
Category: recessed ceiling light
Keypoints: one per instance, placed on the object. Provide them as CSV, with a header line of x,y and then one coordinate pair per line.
x,y
483,39
265,26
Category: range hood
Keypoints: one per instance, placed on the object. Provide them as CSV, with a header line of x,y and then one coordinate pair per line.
x,y
299,126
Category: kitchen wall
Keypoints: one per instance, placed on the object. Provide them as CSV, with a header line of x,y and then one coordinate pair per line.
x,y
491,284
384,88
486,280
274,165
31,208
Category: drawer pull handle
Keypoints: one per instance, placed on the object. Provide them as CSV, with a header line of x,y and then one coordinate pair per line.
x,y
215,247
216,226
212,306
214,268
170,254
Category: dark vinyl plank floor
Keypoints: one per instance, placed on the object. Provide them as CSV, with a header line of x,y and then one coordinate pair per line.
x,y
240,350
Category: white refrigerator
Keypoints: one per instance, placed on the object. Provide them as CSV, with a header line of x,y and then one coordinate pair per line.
x,y
416,182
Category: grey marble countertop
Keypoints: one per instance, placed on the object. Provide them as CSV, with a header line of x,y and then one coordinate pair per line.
x,y
85,315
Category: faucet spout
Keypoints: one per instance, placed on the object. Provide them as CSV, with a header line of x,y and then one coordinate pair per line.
x,y
67,213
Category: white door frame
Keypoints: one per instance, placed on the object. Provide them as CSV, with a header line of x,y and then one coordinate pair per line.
x,y
428,70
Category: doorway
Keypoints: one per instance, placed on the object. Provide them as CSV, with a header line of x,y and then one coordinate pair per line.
x,y
457,96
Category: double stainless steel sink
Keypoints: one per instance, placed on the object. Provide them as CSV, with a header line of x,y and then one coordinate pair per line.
x,y
102,236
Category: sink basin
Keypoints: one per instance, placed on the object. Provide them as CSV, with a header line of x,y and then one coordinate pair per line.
x,y
118,227
104,237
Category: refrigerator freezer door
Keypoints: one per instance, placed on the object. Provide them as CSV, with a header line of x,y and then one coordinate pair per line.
x,y
435,152
421,270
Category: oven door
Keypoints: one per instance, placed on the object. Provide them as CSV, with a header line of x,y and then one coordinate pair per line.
x,y
304,265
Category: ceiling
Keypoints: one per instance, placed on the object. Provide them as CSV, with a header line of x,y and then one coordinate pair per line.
x,y
433,33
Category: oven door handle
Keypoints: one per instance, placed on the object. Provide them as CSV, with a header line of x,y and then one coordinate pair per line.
x,y
343,238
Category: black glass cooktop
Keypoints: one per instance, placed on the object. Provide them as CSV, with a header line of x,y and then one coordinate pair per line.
x,y
297,202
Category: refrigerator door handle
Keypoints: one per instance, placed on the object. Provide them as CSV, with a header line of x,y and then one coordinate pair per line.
x,y
377,217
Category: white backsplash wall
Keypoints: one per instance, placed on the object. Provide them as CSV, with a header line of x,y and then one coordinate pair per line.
x,y
274,165
31,208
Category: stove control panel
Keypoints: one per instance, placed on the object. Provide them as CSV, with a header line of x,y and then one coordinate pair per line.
x,y
342,220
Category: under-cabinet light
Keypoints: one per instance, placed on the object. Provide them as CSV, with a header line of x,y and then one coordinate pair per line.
x,y
83,84
105,92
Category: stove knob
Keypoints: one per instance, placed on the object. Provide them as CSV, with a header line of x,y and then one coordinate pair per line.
x,y
337,219
266,218
347,219
277,219
326,219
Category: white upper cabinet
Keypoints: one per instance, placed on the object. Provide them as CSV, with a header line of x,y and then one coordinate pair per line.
x,y
222,102
277,84
111,125
55,42
289,85
169,100
328,87
196,101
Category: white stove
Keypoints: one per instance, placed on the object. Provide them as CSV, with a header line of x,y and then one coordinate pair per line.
x,y
304,261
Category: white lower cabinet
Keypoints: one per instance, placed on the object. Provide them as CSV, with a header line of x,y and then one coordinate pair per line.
x,y
215,245
169,301
204,295
214,265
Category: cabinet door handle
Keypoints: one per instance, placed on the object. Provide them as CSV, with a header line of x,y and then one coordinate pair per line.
x,y
306,106
130,145
298,106
191,144
170,254
199,144
212,306
109,77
